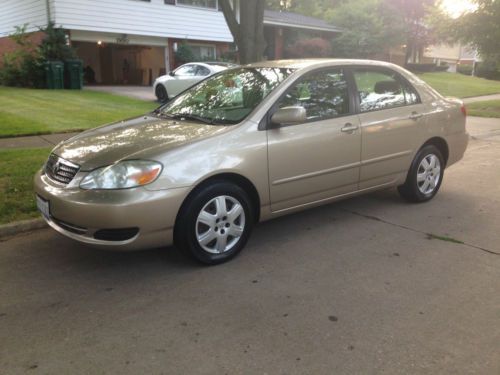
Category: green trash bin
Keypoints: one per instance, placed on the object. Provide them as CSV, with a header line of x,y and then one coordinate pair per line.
x,y
54,74
73,74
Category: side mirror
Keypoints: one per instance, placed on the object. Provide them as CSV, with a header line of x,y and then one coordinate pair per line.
x,y
171,73
289,116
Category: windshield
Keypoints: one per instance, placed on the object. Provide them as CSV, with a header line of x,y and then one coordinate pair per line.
x,y
226,98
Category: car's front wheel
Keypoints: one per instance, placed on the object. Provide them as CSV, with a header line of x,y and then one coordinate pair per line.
x,y
161,93
215,223
425,175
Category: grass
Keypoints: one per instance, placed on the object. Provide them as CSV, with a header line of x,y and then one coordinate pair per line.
x,y
459,85
489,108
32,112
17,167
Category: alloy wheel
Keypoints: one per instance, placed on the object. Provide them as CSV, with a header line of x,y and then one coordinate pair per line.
x,y
428,174
220,224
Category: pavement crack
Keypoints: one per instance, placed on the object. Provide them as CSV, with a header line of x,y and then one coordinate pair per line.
x,y
47,140
429,235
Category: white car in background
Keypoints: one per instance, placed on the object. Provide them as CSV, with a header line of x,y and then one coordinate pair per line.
x,y
178,80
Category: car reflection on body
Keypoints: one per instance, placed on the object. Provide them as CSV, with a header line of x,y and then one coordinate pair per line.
x,y
250,144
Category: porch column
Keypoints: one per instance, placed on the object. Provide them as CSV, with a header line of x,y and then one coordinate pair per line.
x,y
278,43
167,57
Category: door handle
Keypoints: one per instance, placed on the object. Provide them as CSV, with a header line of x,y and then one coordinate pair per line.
x,y
415,116
349,128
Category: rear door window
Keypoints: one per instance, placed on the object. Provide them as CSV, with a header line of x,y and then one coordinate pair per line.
x,y
378,89
202,71
186,70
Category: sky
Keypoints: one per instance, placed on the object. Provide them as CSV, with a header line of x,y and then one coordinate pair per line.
x,y
456,7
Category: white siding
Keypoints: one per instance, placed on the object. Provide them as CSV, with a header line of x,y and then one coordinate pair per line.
x,y
18,12
135,17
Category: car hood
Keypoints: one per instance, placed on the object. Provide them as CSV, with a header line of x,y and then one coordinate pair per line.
x,y
142,137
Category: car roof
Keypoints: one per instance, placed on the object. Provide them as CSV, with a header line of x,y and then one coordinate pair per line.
x,y
222,63
311,63
213,65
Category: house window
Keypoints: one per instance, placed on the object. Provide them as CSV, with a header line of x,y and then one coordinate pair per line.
x,y
211,4
203,52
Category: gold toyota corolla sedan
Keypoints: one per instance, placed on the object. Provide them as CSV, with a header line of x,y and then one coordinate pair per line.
x,y
247,145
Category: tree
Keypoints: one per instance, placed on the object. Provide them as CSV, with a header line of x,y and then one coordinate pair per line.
x,y
314,8
365,31
412,15
248,33
54,45
482,28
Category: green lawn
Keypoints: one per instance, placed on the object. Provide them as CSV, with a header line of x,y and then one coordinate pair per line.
x,y
459,85
17,167
31,112
489,108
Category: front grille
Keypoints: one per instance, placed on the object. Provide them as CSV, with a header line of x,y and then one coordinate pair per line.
x,y
60,170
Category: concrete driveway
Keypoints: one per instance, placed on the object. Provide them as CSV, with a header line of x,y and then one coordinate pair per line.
x,y
371,285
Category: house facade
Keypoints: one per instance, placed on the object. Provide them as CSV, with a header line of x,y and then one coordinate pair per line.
x,y
134,41
124,41
454,55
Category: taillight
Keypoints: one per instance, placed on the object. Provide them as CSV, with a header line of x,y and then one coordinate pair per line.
x,y
464,110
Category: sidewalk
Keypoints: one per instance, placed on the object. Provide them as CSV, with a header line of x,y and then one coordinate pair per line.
x,y
47,140
135,92
481,98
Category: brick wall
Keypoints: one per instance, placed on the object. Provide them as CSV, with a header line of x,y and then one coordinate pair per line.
x,y
8,45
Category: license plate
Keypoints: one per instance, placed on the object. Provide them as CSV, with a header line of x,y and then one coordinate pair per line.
x,y
43,206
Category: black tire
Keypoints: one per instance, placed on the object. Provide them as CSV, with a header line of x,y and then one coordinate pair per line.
x,y
161,93
187,226
411,190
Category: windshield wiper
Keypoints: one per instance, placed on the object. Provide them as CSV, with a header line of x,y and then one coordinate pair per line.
x,y
188,117
178,116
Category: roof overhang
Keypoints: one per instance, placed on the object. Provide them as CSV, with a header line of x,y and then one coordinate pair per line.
x,y
304,27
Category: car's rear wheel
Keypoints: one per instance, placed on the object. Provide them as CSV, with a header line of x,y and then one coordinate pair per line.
x,y
425,175
215,223
161,93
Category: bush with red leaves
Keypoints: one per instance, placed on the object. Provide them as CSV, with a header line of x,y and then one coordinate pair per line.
x,y
314,47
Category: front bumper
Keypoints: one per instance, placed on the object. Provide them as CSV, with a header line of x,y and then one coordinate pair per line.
x,y
80,214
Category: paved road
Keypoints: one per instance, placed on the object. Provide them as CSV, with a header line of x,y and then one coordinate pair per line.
x,y
357,287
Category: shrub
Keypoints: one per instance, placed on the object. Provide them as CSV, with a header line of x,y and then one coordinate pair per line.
x,y
465,69
314,47
488,69
184,54
229,56
421,68
443,67
24,67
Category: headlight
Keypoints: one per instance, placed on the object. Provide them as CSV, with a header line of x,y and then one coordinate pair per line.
x,y
122,175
